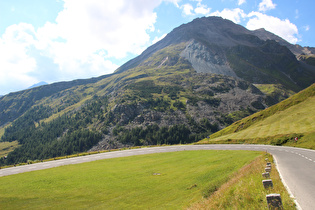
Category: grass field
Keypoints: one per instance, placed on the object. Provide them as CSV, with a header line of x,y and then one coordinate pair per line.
x,y
157,181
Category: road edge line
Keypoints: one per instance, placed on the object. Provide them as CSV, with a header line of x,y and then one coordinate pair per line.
x,y
298,207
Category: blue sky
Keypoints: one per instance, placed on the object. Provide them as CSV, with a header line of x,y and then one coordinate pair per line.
x,y
62,40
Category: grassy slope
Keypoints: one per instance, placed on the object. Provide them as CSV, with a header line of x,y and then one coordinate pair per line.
x,y
125,183
309,59
245,190
293,115
6,147
2,129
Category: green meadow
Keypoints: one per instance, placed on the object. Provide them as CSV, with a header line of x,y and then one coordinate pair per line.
x,y
158,181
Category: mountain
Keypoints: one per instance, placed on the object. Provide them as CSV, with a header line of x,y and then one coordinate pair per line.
x,y
278,124
296,49
38,84
202,77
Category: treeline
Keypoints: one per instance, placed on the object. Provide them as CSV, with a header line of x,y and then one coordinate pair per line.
x,y
155,135
74,133
75,142
26,123
64,135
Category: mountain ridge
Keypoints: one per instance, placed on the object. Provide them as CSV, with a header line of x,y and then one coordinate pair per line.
x,y
218,38
177,35
203,76
295,49
38,84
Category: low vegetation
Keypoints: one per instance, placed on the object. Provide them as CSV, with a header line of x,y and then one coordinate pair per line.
x,y
6,147
309,59
245,190
274,93
168,180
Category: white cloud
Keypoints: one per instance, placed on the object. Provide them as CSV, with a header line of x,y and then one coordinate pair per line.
x,y
266,5
234,15
306,28
282,28
119,26
156,39
175,2
200,9
240,2
187,9
80,44
16,63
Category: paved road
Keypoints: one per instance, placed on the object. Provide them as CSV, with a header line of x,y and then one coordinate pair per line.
x,y
296,166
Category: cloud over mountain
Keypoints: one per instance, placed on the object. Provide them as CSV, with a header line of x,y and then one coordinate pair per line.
x,y
92,38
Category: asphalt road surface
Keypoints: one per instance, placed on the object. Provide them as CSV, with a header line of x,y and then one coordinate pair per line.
x,y
296,165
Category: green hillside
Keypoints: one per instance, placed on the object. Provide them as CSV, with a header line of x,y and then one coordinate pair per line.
x,y
279,124
200,78
135,107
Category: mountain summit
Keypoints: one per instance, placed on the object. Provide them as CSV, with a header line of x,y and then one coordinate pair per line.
x,y
216,45
208,30
203,76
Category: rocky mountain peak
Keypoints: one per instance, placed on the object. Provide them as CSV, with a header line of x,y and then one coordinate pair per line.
x,y
207,30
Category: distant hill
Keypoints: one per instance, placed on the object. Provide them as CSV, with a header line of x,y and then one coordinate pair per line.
x,y
38,84
278,124
202,77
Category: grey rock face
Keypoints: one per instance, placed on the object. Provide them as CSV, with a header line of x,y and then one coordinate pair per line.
x,y
207,60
